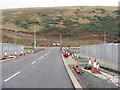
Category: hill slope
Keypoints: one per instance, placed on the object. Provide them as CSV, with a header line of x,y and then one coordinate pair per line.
x,y
74,23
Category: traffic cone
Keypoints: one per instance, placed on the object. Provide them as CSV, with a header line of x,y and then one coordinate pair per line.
x,y
25,53
32,51
94,69
69,54
77,56
98,66
15,53
21,53
72,55
29,52
89,62
5,55
89,66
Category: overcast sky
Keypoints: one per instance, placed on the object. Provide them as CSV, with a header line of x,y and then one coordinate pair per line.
x,y
4,4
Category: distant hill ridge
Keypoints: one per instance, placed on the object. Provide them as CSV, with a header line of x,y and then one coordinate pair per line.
x,y
77,22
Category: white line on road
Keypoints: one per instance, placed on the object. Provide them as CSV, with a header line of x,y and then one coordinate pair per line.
x,y
41,57
45,54
33,62
11,77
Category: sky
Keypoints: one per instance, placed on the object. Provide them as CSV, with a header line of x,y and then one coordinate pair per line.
x,y
5,4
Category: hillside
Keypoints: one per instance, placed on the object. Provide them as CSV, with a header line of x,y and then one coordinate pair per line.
x,y
74,23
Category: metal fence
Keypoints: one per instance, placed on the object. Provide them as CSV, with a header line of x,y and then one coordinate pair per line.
x,y
103,51
11,48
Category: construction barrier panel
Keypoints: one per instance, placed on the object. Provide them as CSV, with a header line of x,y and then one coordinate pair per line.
x,y
108,52
11,48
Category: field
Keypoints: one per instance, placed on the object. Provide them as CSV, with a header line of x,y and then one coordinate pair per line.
x,y
86,23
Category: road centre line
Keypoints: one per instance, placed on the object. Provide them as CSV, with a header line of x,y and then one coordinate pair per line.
x,y
44,55
11,76
33,62
20,72
41,57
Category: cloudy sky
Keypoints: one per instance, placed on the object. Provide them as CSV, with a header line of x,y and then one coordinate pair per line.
x,y
4,4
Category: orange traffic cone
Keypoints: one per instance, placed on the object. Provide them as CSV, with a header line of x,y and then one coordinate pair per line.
x,y
72,55
5,55
69,54
77,56
25,53
89,62
94,69
28,52
98,66
32,51
15,53
21,53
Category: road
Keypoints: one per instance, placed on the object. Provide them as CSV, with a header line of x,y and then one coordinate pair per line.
x,y
44,69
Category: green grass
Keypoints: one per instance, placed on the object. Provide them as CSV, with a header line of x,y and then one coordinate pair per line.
x,y
65,20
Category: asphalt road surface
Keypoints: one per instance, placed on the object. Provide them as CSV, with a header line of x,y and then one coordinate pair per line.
x,y
44,69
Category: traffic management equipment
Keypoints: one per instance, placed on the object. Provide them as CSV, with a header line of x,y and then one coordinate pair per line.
x,y
25,53
32,51
5,55
21,53
94,68
89,62
29,52
98,66
15,53
66,54
89,66
77,56
76,69
72,55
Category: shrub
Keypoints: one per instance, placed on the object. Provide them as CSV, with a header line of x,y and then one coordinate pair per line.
x,y
44,15
24,26
17,22
69,22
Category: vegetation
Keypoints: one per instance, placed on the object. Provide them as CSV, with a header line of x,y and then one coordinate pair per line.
x,y
80,22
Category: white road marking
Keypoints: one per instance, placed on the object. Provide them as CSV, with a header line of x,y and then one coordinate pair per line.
x,y
45,54
41,57
11,77
33,62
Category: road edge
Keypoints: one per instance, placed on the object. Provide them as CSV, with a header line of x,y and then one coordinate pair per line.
x,y
71,75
